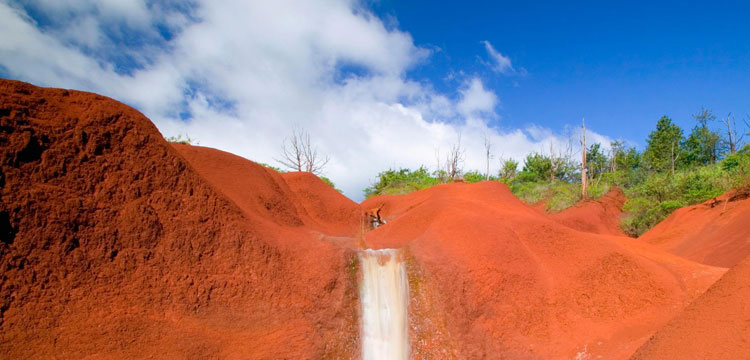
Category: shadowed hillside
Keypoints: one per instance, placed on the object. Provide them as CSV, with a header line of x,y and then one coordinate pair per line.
x,y
114,246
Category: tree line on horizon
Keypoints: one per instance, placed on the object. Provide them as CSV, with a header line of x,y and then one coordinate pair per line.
x,y
674,170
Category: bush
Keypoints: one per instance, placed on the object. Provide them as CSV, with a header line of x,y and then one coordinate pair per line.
x,y
400,182
476,176
661,193
557,195
187,140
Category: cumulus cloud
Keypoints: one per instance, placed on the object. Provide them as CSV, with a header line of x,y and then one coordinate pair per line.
x,y
240,75
498,62
476,99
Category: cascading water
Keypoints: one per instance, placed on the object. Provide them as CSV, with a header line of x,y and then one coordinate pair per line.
x,y
384,293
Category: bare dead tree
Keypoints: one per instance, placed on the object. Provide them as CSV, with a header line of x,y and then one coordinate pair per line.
x,y
293,153
584,188
616,147
674,158
554,162
488,155
454,160
734,138
299,154
558,159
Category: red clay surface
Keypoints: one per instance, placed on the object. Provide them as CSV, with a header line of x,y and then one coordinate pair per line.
x,y
715,326
113,245
598,216
716,232
116,244
492,277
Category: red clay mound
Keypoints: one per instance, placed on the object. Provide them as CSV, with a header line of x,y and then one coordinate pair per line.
x,y
113,246
334,213
715,233
490,277
600,216
292,199
715,326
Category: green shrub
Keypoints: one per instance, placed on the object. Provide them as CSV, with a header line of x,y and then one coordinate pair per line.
x,y
475,176
400,182
557,195
187,140
661,193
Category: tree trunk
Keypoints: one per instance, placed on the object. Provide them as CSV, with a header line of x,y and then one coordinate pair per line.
x,y
584,189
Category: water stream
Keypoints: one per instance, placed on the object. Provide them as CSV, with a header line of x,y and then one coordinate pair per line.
x,y
384,293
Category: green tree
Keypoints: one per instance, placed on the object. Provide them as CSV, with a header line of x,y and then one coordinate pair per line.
x,y
664,146
702,145
509,170
596,161
536,167
623,158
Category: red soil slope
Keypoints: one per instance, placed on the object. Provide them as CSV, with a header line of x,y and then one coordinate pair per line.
x,y
598,216
113,246
490,277
715,326
329,210
713,233
295,199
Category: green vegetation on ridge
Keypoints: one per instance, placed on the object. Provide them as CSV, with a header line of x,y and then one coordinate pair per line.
x,y
673,171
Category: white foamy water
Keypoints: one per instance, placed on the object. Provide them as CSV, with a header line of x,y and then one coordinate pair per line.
x,y
384,293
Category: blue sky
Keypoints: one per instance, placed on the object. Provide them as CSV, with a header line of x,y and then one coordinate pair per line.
x,y
622,66
388,84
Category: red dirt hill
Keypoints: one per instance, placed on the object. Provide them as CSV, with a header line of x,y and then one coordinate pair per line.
x,y
715,326
291,199
493,278
112,245
598,216
713,233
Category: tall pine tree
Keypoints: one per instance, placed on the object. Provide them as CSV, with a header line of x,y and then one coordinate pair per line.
x,y
664,147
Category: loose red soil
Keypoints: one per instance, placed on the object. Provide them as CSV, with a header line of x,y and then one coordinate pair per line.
x,y
713,233
113,245
116,244
715,326
495,278
598,216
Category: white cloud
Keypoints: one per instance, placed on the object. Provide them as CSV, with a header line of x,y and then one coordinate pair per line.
x,y
499,62
476,99
248,72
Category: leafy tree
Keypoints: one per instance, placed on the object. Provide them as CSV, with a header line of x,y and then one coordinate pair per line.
x,y
623,158
596,161
664,145
509,170
702,145
536,167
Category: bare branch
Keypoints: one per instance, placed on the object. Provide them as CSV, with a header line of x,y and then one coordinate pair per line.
x,y
454,160
584,187
292,152
299,154
487,147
